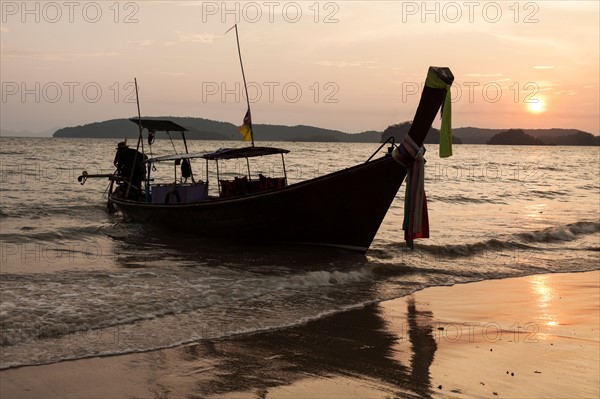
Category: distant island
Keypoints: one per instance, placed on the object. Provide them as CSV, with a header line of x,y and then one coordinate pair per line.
x,y
514,137
519,137
206,129
555,136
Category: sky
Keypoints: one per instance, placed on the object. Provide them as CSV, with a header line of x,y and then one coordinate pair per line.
x,y
344,65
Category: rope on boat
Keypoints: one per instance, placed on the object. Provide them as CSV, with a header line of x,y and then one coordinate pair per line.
x,y
173,144
390,140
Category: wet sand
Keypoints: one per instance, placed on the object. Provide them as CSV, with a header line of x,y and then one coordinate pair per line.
x,y
529,337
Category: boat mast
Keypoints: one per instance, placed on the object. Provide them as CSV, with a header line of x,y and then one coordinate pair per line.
x,y
137,99
140,141
244,77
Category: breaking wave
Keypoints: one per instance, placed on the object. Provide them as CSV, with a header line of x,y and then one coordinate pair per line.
x,y
462,199
520,241
567,232
104,299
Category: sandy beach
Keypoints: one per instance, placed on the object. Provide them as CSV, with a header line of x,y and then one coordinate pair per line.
x,y
527,337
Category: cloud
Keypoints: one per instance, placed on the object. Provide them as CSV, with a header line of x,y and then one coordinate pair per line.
x,y
205,38
52,56
187,3
142,42
177,74
345,64
538,41
484,75
566,92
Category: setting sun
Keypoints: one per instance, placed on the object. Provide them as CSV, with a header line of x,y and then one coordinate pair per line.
x,y
536,106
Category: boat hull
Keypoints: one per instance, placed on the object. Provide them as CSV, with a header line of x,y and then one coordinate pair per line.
x,y
343,209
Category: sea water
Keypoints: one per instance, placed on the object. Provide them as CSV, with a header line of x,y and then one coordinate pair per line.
x,y
77,281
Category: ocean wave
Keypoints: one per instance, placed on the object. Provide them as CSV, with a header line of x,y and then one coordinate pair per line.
x,y
587,187
52,350
391,269
95,300
551,168
568,232
462,199
467,250
29,234
36,211
548,194
524,241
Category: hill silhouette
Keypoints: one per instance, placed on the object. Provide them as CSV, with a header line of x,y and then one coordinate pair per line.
x,y
554,136
579,138
514,137
206,129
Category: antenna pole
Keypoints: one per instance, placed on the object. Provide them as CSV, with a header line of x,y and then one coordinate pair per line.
x,y
245,85
137,99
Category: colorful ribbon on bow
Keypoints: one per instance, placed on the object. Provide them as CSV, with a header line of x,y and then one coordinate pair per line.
x,y
416,218
435,82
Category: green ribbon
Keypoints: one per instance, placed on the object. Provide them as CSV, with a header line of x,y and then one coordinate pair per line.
x,y
435,82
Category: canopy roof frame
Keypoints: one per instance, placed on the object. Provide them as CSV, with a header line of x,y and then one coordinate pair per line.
x,y
244,152
224,153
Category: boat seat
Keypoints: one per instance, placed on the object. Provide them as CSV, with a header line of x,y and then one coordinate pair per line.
x,y
181,193
241,185
234,188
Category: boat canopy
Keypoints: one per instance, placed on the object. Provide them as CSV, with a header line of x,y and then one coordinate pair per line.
x,y
158,125
244,152
175,157
223,153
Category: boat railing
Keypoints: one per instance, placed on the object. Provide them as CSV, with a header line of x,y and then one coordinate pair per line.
x,y
390,140
184,193
242,186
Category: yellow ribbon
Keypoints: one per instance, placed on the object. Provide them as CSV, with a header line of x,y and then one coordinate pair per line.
x,y
435,82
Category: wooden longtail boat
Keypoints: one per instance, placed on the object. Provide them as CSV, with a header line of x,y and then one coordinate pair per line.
x,y
343,209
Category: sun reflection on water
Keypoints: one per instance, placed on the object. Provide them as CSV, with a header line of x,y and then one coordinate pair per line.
x,y
536,212
544,293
